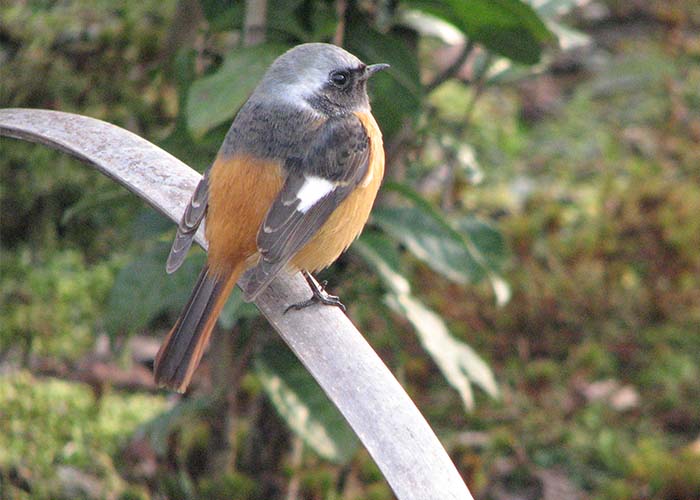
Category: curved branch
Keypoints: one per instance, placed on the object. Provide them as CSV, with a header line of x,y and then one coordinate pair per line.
x,y
378,409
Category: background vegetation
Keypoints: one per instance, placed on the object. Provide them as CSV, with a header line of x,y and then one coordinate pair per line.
x,y
537,238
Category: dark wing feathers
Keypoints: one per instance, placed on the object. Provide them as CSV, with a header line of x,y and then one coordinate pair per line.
x,y
186,229
291,239
338,153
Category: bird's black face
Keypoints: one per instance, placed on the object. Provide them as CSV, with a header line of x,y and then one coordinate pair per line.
x,y
345,90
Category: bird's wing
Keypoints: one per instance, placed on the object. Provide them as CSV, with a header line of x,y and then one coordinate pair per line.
x,y
335,162
186,229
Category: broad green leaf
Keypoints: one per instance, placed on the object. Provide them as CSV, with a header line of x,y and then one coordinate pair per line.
x,y
465,251
216,98
502,70
296,18
486,240
428,240
458,362
507,27
427,235
380,252
304,406
88,203
142,289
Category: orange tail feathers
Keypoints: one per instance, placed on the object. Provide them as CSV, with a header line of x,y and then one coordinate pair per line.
x,y
182,349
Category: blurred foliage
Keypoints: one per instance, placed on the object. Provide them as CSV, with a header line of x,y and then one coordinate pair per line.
x,y
303,406
56,301
50,428
542,215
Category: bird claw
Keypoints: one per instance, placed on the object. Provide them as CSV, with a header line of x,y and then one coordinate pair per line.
x,y
319,296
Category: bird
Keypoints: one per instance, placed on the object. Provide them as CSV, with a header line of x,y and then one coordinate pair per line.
x,y
290,188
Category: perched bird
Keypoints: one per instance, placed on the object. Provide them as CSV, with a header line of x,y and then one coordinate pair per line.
x,y
291,187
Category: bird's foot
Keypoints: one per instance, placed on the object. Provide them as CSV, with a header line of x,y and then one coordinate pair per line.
x,y
320,296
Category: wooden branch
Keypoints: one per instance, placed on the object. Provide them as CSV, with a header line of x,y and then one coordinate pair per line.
x,y
378,409
255,22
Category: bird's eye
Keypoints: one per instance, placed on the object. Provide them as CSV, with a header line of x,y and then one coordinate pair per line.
x,y
339,78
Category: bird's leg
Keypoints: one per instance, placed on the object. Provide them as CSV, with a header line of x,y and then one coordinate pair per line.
x,y
320,296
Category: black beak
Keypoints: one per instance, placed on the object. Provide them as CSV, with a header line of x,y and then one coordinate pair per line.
x,y
374,68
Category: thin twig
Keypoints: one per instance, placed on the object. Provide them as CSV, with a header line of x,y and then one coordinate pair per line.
x,y
296,456
255,22
452,69
479,86
341,7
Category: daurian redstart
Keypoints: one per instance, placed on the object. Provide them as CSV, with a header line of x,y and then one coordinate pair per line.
x,y
291,187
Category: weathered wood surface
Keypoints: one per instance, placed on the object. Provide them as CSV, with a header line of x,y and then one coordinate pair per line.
x,y
378,409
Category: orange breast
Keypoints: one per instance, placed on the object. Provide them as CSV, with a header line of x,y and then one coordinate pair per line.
x,y
241,189
346,222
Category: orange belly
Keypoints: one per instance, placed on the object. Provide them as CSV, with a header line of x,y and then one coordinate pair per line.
x,y
241,189
346,222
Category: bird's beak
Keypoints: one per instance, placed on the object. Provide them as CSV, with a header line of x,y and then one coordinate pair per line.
x,y
374,68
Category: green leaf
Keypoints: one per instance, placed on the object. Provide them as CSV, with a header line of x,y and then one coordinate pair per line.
x,y
380,252
458,362
142,289
507,27
487,241
428,236
216,98
488,247
428,240
92,202
158,429
179,142
303,405
301,20
465,252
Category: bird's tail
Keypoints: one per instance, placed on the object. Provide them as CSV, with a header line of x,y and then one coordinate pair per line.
x,y
182,349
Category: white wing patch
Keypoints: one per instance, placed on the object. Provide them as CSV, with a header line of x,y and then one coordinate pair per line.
x,y
313,189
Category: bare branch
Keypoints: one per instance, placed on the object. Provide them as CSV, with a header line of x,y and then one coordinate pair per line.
x,y
385,419
453,68
255,22
341,7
